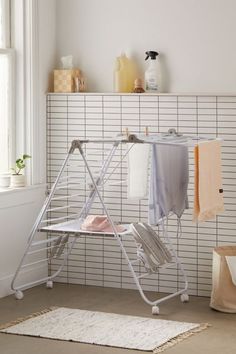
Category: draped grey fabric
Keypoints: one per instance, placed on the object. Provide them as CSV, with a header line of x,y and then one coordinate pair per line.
x,y
168,181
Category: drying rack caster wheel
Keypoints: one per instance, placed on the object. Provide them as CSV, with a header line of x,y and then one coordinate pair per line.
x,y
49,284
184,297
155,310
19,295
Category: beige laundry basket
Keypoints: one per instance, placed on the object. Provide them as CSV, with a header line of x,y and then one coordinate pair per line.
x,y
223,296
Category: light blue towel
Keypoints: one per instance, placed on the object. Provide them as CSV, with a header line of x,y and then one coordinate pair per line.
x,y
168,181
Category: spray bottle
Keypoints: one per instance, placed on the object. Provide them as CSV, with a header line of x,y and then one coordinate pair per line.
x,y
151,74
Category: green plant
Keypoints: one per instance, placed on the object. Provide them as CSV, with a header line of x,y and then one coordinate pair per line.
x,y
20,164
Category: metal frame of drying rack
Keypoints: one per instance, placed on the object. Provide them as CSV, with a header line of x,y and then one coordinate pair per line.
x,y
54,247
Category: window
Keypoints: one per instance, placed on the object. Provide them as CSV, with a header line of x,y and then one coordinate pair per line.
x,y
6,87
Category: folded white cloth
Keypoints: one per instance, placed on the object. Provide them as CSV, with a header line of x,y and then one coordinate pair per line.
x,y
231,261
138,161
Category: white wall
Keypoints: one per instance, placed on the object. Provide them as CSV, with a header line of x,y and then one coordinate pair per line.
x,y
18,211
195,38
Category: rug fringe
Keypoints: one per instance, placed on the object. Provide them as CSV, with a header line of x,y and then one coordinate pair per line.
x,y
22,319
180,338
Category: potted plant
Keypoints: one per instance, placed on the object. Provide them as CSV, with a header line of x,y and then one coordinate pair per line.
x,y
17,178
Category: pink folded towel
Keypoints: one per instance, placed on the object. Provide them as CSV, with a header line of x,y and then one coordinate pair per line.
x,y
99,223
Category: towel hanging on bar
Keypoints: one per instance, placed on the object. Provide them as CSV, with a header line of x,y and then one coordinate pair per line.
x,y
138,161
168,181
208,191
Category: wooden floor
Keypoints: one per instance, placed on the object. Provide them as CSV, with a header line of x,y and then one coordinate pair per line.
x,y
220,338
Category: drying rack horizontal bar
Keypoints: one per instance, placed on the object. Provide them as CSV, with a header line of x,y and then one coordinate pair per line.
x,y
60,208
60,218
49,248
42,242
165,139
67,196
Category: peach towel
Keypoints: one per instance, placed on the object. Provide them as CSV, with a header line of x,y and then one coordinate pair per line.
x,y
208,192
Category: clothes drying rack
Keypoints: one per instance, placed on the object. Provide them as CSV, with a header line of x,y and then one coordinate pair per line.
x,y
65,230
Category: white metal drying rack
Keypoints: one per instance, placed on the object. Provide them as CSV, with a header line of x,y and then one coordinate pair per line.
x,y
61,245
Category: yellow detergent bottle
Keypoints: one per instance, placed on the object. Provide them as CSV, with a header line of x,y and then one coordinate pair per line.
x,y
132,74
119,76
124,74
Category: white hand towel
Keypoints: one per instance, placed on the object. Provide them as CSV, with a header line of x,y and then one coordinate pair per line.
x,y
138,161
231,261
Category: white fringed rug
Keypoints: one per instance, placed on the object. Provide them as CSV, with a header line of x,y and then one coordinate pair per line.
x,y
130,332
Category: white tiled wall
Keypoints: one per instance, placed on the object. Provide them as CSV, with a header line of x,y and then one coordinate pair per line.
x,y
97,260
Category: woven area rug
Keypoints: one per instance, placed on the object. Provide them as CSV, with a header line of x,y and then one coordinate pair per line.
x,y
130,332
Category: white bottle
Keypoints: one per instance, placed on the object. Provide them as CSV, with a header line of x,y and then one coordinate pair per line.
x,y
151,74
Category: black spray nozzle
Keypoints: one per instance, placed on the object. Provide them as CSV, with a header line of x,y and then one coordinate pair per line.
x,y
153,55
